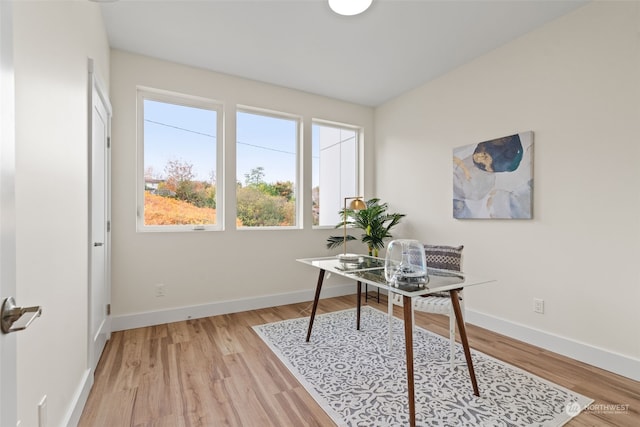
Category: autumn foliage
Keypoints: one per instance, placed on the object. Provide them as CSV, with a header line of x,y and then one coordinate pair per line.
x,y
159,210
178,199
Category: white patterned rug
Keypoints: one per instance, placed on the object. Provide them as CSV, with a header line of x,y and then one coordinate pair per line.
x,y
359,382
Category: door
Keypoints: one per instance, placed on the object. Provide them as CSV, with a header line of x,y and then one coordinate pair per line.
x,y
8,380
99,221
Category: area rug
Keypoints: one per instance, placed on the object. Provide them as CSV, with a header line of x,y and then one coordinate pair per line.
x,y
358,381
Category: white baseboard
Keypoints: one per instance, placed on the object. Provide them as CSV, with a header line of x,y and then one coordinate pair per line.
x,y
72,417
139,320
604,359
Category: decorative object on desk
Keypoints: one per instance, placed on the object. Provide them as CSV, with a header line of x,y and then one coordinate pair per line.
x,y
350,261
494,179
356,379
372,219
405,263
362,263
350,258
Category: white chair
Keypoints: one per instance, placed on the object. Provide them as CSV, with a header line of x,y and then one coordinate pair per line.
x,y
444,258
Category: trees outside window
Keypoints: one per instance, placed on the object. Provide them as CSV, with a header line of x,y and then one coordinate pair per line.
x,y
178,154
267,169
180,163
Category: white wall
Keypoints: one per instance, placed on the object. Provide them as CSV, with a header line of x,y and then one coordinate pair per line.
x,y
52,43
575,84
225,270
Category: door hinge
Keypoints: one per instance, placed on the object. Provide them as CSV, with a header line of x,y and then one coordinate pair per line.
x,y
108,142
108,226
108,309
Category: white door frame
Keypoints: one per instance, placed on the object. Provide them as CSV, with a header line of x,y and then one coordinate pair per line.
x,y
8,377
97,94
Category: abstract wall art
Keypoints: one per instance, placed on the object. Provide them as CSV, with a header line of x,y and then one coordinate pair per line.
x,y
494,179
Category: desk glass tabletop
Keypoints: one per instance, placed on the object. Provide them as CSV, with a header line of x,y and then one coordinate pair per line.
x,y
370,270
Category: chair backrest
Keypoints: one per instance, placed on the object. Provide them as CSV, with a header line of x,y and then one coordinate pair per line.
x,y
444,257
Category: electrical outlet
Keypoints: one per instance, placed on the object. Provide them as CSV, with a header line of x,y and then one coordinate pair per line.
x,y
160,290
42,412
538,305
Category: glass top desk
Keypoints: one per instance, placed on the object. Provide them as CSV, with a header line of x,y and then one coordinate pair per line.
x,y
370,270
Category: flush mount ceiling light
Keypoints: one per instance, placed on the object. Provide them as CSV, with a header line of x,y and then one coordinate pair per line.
x,y
349,7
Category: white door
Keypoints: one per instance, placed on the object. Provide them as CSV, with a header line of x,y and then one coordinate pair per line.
x,y
8,380
99,243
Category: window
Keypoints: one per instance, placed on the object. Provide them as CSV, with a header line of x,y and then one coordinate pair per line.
x,y
179,146
335,171
266,169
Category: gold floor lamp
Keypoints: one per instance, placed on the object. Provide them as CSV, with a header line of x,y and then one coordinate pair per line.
x,y
357,204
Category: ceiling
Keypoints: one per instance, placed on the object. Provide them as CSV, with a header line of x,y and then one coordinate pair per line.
x,y
367,59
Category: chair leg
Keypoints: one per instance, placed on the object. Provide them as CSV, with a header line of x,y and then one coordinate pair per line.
x,y
452,337
452,332
390,316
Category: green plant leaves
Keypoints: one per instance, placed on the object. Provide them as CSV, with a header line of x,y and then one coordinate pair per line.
x,y
374,221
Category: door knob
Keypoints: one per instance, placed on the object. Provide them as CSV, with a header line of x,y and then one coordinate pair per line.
x,y
98,244
15,318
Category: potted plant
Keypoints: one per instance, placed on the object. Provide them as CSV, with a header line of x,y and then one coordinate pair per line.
x,y
375,223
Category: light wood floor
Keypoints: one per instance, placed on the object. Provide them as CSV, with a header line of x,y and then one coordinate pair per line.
x,y
217,372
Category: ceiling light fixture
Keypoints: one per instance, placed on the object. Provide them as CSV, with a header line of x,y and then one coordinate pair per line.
x,y
349,7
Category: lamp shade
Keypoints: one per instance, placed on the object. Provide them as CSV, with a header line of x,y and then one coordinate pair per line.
x,y
357,205
405,264
349,7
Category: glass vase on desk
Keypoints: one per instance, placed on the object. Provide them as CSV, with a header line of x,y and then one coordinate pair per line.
x,y
405,264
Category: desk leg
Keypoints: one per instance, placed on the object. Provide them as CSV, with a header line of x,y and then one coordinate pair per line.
x,y
359,304
455,301
315,303
408,339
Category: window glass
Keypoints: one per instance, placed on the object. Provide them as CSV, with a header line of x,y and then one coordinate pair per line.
x,y
266,168
179,148
335,171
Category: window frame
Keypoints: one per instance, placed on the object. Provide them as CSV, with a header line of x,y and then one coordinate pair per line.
x,y
359,132
298,119
158,95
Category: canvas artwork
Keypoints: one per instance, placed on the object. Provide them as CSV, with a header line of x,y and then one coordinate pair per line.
x,y
494,179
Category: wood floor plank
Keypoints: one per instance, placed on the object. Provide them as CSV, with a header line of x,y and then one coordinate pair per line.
x,y
153,399
217,371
